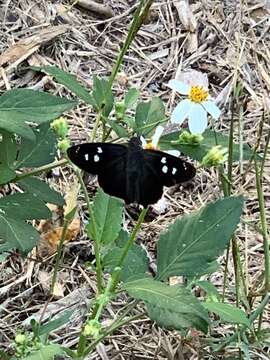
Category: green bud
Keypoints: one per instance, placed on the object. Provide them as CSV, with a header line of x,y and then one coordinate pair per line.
x,y
63,145
92,328
215,156
187,138
20,339
120,109
60,127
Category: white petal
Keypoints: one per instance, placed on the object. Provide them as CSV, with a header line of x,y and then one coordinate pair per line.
x,y
157,135
180,113
179,86
143,141
173,152
197,122
211,108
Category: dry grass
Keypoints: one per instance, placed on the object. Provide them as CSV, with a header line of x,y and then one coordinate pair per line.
x,y
229,37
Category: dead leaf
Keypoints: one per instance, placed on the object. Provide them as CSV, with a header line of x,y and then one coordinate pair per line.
x,y
25,47
50,240
71,198
45,281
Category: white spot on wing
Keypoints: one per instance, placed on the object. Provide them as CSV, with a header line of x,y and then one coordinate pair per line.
x,y
86,156
99,150
165,169
185,166
96,158
163,160
174,170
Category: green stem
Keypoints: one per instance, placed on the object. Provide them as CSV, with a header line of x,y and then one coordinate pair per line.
x,y
100,285
40,169
59,254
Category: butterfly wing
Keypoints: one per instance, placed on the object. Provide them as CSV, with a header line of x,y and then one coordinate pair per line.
x,y
168,169
108,161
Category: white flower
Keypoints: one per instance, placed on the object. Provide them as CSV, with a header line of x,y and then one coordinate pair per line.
x,y
195,107
153,143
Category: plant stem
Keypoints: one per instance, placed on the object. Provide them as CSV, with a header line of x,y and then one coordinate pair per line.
x,y
100,285
59,254
40,169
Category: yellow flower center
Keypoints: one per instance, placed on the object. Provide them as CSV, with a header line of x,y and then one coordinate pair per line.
x,y
149,146
197,94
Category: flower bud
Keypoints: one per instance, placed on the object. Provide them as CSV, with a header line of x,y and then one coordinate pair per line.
x,y
187,138
215,156
20,339
63,145
60,127
92,328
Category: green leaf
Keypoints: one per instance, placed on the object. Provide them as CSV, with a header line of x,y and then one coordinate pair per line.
x,y
131,97
41,190
170,306
227,312
47,352
16,234
39,152
149,115
210,289
103,96
191,243
118,129
24,207
8,149
107,211
6,174
52,325
67,80
135,264
197,152
24,105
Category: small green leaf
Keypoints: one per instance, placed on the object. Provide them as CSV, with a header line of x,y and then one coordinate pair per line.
x,y
16,234
103,96
6,174
107,212
197,152
52,325
118,129
24,207
19,106
131,97
170,306
135,264
191,243
149,115
40,152
227,312
210,289
41,190
67,80
47,352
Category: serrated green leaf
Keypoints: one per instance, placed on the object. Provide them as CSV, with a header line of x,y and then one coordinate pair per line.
x,y
16,234
40,152
6,174
103,96
24,207
52,325
131,97
197,152
67,80
195,240
47,352
107,211
19,106
170,306
227,312
41,190
149,115
135,263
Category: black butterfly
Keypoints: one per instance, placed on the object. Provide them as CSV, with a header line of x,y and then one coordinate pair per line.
x,y
129,171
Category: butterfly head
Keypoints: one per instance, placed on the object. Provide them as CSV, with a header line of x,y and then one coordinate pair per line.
x,y
135,143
